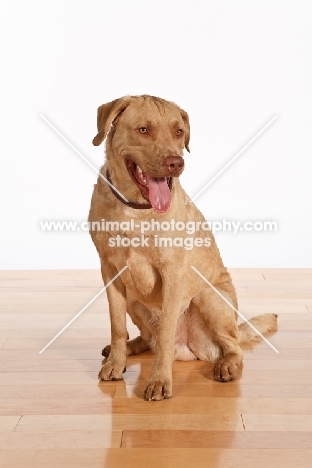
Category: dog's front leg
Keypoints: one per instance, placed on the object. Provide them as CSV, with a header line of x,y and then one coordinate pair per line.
x,y
159,385
116,293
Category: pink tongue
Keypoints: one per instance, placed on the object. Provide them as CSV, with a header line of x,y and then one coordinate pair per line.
x,y
159,194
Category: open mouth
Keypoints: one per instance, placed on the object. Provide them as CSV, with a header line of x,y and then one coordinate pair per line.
x,y
156,190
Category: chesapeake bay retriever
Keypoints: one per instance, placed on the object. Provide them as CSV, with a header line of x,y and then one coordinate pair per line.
x,y
178,314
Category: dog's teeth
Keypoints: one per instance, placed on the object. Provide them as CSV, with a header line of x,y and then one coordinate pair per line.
x,y
140,175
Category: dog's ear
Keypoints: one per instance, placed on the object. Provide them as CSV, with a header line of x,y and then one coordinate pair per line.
x,y
106,114
186,121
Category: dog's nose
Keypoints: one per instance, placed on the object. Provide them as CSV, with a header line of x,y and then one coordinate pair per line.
x,y
174,164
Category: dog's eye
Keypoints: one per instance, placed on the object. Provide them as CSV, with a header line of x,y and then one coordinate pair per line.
x,y
179,131
143,130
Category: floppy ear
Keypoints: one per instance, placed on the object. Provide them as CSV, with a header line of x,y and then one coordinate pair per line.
x,y
106,114
185,118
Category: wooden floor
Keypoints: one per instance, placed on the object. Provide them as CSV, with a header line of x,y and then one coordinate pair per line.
x,y
55,413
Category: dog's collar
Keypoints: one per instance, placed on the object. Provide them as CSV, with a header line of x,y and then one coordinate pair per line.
x,y
137,206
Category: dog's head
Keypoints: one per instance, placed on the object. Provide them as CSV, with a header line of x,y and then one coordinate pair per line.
x,y
147,136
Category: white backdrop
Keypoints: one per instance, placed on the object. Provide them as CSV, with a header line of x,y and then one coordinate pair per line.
x,y
231,65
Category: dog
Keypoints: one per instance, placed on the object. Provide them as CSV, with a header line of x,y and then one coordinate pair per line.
x,y
179,314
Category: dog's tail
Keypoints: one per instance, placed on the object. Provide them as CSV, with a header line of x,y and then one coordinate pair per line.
x,y
263,323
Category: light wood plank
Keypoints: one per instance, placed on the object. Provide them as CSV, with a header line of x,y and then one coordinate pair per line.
x,y
47,273
293,324
283,364
156,458
2,342
47,334
55,440
279,342
218,439
300,284
32,310
26,298
289,274
55,406
61,343
231,390
255,305
27,283
67,391
204,405
252,307
50,354
8,423
248,377
118,422
246,274
32,378
278,422
294,334
53,289
61,365
31,321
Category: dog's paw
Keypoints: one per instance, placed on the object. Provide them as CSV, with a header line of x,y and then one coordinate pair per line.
x,y
110,371
225,371
157,390
106,351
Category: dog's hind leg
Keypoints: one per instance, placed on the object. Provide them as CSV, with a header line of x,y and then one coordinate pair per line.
x,y
222,324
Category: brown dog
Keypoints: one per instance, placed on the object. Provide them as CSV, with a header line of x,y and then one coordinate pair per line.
x,y
152,228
